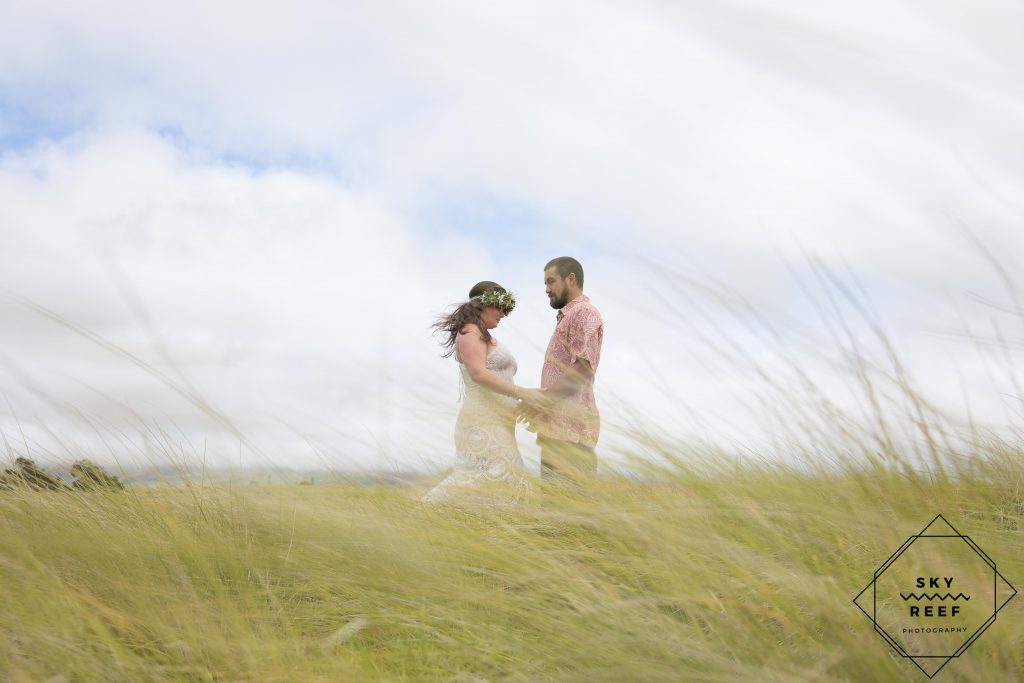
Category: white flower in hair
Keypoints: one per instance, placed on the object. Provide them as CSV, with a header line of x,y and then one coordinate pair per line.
x,y
506,301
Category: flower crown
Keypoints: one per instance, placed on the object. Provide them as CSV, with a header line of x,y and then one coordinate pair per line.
x,y
505,301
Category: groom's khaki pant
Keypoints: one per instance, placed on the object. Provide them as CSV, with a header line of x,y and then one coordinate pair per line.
x,y
565,461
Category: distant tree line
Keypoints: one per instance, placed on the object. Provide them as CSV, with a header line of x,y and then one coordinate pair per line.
x,y
85,475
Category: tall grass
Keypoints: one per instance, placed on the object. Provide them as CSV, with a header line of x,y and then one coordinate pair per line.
x,y
701,569
695,578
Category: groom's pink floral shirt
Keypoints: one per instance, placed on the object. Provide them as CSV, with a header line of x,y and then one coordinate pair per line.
x,y
578,333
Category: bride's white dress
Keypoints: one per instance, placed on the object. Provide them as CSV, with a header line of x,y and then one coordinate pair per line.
x,y
486,455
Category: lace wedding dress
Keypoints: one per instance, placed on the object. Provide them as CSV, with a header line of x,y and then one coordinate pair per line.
x,y
488,467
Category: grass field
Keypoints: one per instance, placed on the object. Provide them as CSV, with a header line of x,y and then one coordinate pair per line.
x,y
705,575
709,568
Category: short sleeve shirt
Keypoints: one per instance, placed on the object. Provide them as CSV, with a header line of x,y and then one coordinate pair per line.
x,y
578,333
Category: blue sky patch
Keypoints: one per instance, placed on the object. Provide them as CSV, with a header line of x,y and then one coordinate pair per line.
x,y
22,129
494,220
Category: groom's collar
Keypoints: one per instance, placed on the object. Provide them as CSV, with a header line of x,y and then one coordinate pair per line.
x,y
561,311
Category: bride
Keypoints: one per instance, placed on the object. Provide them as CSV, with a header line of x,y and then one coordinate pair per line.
x,y
486,454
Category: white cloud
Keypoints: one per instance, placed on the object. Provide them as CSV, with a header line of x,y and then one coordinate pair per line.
x,y
718,139
274,291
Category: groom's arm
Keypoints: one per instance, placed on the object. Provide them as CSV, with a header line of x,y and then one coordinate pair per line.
x,y
584,335
576,375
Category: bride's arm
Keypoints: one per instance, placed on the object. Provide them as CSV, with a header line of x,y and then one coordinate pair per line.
x,y
472,351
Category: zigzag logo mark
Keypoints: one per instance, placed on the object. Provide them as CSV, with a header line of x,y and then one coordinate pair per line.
x,y
935,596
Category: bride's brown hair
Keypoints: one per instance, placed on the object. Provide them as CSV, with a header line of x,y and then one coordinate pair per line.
x,y
466,313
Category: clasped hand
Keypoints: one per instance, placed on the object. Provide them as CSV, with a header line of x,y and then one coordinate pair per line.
x,y
533,405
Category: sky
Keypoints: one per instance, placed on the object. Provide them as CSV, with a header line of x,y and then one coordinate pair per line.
x,y
227,227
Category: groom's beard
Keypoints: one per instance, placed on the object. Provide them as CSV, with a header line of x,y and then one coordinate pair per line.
x,y
559,301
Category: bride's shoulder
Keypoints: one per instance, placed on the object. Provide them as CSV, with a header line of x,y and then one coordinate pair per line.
x,y
470,334
469,343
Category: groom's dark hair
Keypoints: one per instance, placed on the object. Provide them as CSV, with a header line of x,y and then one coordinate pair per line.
x,y
566,265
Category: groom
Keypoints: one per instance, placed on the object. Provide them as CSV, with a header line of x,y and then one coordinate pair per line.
x,y
563,411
